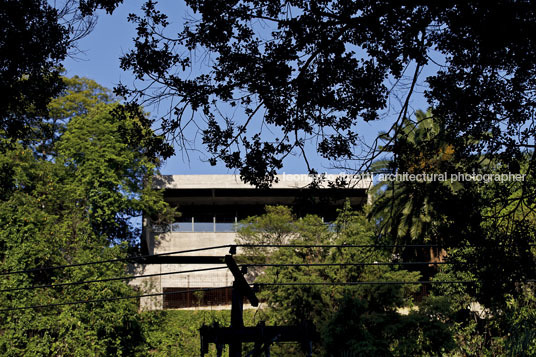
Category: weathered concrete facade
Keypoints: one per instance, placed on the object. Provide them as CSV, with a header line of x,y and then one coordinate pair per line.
x,y
211,206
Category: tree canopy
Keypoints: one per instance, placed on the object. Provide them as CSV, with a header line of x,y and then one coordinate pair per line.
x,y
313,71
32,44
35,37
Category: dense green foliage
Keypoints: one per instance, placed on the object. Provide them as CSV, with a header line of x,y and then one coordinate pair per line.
x,y
175,333
356,320
72,204
493,316
484,227
409,212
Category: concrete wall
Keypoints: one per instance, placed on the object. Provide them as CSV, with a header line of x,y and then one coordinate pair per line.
x,y
233,181
175,241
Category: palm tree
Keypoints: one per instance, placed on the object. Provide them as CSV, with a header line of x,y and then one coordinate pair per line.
x,y
407,211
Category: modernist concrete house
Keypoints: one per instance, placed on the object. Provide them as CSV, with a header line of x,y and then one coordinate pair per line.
x,y
211,206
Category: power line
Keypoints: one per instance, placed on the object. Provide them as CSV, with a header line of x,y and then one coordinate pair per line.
x,y
346,264
255,285
338,245
365,283
232,247
115,260
132,277
258,284
109,279
356,246
80,302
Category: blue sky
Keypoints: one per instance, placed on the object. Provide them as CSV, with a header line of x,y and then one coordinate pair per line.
x,y
112,37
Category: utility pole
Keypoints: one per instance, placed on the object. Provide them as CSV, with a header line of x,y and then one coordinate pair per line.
x,y
236,334
263,336
241,289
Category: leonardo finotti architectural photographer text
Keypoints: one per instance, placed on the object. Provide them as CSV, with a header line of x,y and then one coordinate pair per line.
x,y
411,177
457,177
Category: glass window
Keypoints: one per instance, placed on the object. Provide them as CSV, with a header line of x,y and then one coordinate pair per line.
x,y
225,227
203,226
225,223
182,226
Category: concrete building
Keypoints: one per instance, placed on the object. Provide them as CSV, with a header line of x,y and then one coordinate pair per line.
x,y
211,206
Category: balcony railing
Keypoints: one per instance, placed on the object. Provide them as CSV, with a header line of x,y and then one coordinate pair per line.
x,y
202,225
194,225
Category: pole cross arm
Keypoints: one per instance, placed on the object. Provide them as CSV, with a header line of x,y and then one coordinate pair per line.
x,y
180,259
240,281
228,335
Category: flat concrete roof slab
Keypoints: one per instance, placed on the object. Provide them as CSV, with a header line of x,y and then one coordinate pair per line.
x,y
234,182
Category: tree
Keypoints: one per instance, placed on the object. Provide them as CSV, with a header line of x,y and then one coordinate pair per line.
x,y
35,38
495,314
113,175
500,262
114,169
32,44
45,223
315,69
423,210
73,205
406,209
